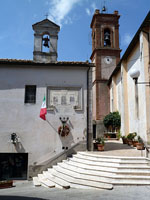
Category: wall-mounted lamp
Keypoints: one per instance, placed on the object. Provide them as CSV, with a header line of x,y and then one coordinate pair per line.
x,y
135,73
14,138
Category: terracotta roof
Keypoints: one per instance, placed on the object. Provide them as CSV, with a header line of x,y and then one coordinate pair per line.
x,y
57,63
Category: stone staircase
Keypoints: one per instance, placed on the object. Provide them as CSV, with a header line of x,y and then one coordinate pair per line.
x,y
88,170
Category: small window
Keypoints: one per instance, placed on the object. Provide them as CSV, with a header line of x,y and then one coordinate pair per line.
x,y
30,94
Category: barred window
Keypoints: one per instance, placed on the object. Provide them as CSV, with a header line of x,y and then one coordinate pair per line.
x,y
30,94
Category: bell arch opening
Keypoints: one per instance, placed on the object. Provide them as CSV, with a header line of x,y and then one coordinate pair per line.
x,y
107,38
46,43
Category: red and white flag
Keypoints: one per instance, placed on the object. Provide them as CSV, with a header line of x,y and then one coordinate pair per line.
x,y
43,110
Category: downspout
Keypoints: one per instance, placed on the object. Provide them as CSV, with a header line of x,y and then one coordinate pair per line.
x,y
87,144
89,133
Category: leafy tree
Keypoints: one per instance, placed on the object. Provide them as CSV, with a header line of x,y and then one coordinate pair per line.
x,y
112,121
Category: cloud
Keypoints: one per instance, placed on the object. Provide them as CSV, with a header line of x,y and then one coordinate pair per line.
x,y
91,10
88,11
126,39
59,10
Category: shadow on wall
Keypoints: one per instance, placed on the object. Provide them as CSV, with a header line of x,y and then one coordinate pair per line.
x,y
19,148
19,198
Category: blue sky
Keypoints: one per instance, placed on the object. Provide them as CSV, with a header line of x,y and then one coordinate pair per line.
x,y
74,17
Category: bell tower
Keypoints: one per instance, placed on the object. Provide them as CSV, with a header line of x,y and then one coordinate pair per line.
x,y
105,55
45,41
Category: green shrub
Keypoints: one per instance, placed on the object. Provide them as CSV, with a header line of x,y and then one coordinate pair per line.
x,y
131,136
100,140
112,121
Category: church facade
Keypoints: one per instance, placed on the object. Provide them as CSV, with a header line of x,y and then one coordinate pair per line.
x,y
130,85
27,142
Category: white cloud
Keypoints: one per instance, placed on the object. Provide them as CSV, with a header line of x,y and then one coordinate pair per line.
x,y
126,39
59,10
91,10
88,11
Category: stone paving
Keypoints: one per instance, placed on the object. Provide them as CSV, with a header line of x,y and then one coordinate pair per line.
x,y
24,190
117,148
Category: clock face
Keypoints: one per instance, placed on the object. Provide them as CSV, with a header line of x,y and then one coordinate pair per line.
x,y
107,59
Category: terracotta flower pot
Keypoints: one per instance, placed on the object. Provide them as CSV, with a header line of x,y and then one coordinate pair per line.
x,y
130,142
140,146
6,184
134,143
100,147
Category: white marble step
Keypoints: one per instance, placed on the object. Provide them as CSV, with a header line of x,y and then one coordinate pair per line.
x,y
100,173
67,165
76,182
36,181
113,179
124,171
110,160
90,154
106,162
45,181
83,176
60,183
109,165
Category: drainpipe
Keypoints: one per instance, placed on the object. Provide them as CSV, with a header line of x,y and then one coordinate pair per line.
x,y
89,133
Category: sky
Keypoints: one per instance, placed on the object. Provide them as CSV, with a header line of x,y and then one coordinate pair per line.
x,y
74,18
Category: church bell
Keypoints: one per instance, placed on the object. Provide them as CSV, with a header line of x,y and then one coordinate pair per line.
x,y
46,42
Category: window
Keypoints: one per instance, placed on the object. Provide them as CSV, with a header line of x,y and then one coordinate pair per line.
x,y
30,94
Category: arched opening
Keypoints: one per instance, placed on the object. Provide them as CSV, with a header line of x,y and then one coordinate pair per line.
x,y
107,40
46,43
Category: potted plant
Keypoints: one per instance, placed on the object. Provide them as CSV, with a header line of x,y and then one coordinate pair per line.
x,y
6,184
130,138
124,139
140,144
100,142
118,135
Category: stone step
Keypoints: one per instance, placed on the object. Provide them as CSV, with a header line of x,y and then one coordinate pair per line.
x,y
45,181
109,165
36,181
92,154
124,171
83,176
67,165
117,163
113,179
108,159
60,183
77,182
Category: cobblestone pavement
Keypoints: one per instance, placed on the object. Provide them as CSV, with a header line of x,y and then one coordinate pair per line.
x,y
24,190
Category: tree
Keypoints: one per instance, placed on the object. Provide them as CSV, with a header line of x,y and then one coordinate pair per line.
x,y
112,121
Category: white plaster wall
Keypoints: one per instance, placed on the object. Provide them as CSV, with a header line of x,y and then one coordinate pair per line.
x,y
118,92
38,137
94,101
137,124
111,97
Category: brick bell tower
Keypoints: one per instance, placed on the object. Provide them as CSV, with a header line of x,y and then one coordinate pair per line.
x,y
105,55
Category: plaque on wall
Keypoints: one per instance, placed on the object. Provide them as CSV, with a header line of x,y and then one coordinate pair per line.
x,y
71,97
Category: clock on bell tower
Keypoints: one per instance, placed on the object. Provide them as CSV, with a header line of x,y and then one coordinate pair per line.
x,y
105,55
